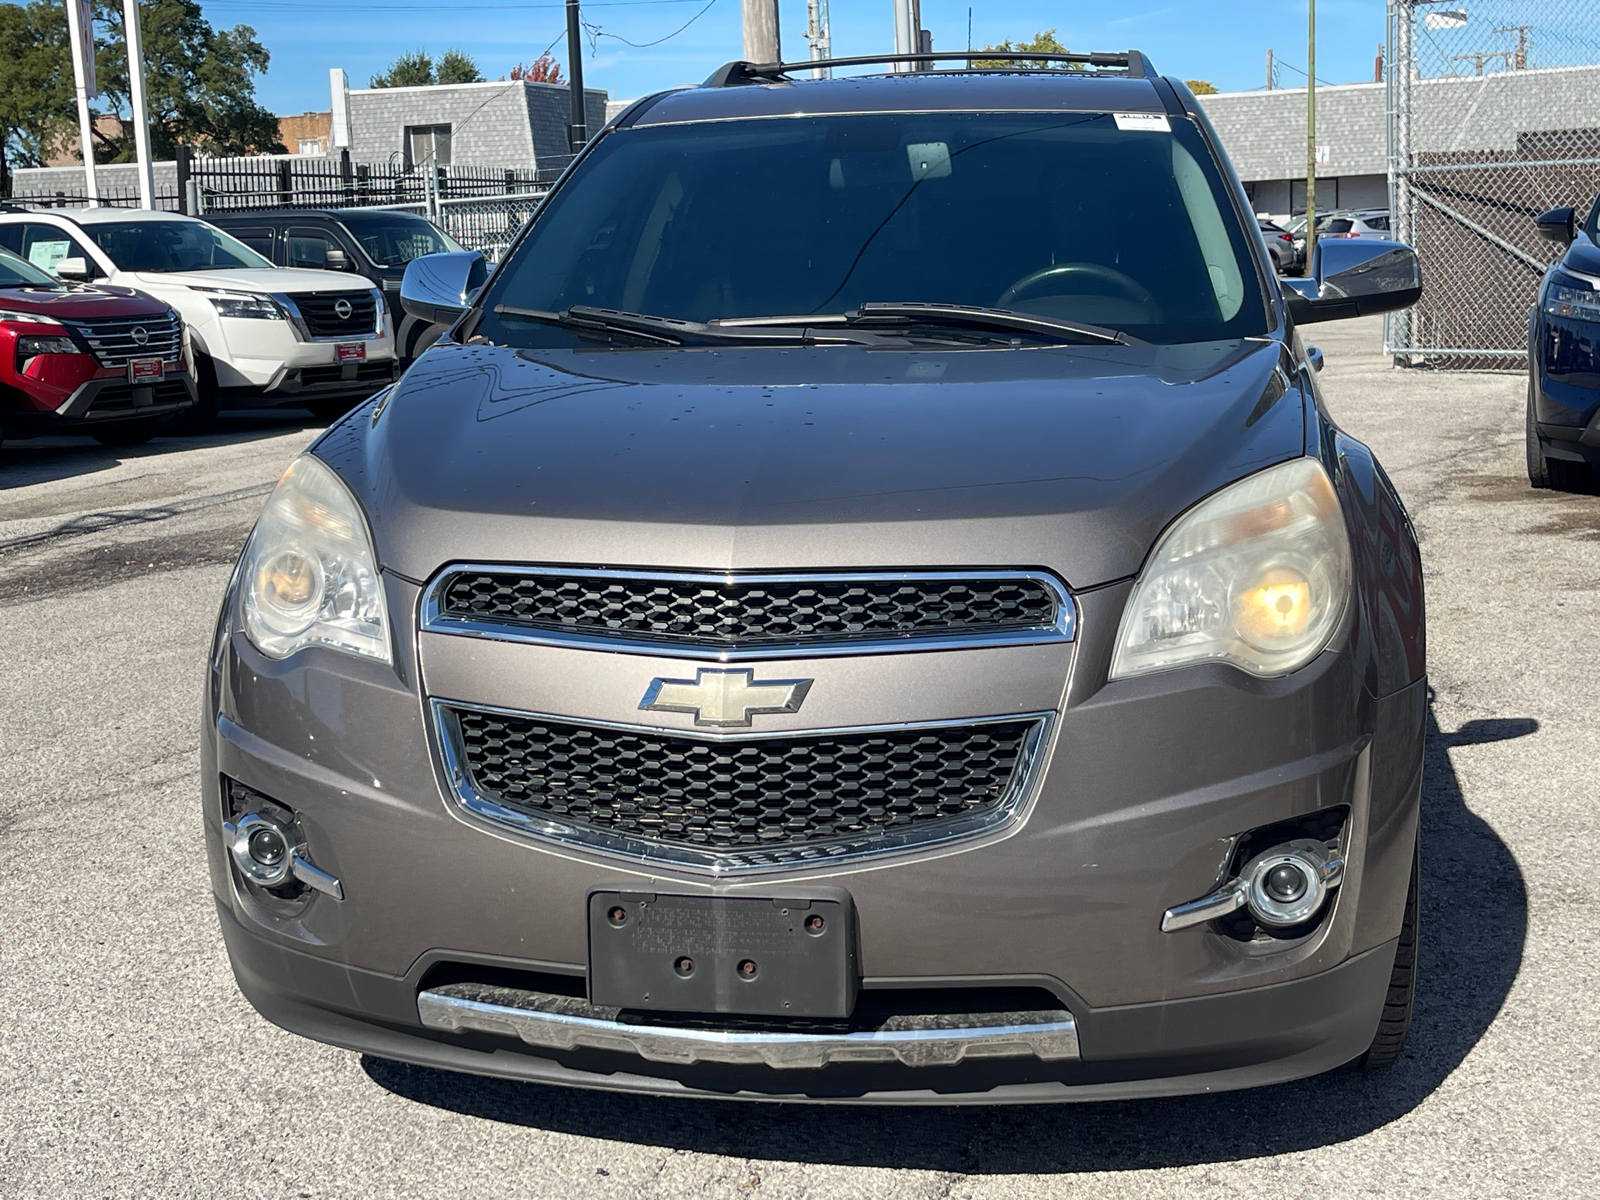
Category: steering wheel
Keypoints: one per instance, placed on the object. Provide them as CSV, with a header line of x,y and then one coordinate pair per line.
x,y
1126,284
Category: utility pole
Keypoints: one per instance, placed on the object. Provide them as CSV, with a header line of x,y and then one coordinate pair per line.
x,y
1311,134
1271,71
819,36
1520,62
80,30
578,129
141,119
761,43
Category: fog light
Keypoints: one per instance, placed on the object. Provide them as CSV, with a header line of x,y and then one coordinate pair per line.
x,y
269,854
1285,887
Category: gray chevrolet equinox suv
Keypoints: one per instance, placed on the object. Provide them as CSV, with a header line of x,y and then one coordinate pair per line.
x,y
844,615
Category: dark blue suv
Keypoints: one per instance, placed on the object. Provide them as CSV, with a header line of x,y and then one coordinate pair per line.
x,y
1564,357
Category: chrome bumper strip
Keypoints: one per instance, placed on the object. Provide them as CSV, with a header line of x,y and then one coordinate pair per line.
x,y
1050,1040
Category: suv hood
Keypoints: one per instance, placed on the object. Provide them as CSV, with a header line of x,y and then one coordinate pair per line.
x,y
81,302
275,279
1072,459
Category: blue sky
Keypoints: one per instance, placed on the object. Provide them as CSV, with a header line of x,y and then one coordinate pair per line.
x,y
1224,41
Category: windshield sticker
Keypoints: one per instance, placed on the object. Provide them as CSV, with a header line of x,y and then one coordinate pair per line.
x,y
1145,122
929,160
45,255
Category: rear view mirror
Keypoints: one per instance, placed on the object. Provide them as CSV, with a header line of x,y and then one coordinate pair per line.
x,y
74,268
439,287
1355,277
1559,225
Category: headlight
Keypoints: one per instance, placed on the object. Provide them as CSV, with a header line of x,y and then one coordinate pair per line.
x,y
310,577
1575,303
27,347
25,318
1257,575
242,304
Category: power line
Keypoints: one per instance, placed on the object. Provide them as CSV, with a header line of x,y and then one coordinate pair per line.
x,y
596,33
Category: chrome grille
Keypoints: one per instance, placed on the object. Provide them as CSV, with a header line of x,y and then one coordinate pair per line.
x,y
320,313
115,340
748,615
737,803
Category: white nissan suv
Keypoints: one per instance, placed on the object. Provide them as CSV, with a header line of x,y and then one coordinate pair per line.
x,y
262,335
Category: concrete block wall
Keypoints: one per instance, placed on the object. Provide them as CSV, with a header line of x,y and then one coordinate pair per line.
x,y
503,124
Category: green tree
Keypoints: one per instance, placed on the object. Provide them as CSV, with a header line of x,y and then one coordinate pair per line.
x,y
456,66
199,82
409,70
1045,42
37,114
1201,87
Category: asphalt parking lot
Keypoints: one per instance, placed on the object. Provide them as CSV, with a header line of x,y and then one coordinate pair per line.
x,y
130,1065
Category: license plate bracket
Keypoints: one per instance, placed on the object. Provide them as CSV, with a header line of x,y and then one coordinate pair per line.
x,y
146,370
695,954
352,352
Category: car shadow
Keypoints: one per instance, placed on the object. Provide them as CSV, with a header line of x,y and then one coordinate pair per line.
x,y
1471,952
67,456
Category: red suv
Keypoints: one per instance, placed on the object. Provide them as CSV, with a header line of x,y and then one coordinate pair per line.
x,y
106,361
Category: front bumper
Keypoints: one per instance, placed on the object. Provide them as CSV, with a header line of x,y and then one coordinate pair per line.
x,y
105,399
1236,1040
1146,784
272,361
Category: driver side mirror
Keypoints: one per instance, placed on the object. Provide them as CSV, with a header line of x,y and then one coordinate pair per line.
x,y
337,260
438,288
1559,225
74,268
1355,277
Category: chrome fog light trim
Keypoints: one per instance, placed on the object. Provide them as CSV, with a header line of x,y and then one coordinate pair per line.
x,y
269,854
1250,889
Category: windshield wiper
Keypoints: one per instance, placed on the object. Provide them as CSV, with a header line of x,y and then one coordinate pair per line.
x,y
663,331
972,316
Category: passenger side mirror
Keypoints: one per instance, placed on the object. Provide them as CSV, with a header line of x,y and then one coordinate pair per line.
x,y
1559,225
74,268
337,260
1354,277
439,287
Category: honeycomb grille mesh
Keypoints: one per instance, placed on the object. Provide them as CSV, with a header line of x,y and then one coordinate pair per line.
x,y
751,613
767,793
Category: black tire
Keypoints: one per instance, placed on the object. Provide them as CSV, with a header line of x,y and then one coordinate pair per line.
x,y
1554,474
1395,1024
128,433
201,416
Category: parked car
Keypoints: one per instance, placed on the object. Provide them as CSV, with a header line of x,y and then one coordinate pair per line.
x,y
827,627
1280,245
1361,223
375,243
262,335
106,361
1563,417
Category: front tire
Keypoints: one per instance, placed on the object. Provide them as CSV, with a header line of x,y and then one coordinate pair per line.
x,y
1395,1024
201,416
1554,474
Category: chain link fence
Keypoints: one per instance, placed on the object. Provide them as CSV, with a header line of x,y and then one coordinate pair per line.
x,y
1493,117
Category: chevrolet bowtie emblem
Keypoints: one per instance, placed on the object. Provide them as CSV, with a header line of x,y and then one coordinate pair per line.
x,y
725,699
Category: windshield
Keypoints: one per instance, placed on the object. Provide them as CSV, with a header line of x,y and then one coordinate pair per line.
x,y
1060,215
393,240
172,246
16,271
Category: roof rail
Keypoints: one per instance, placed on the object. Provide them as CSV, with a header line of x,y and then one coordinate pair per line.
x,y
1132,62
